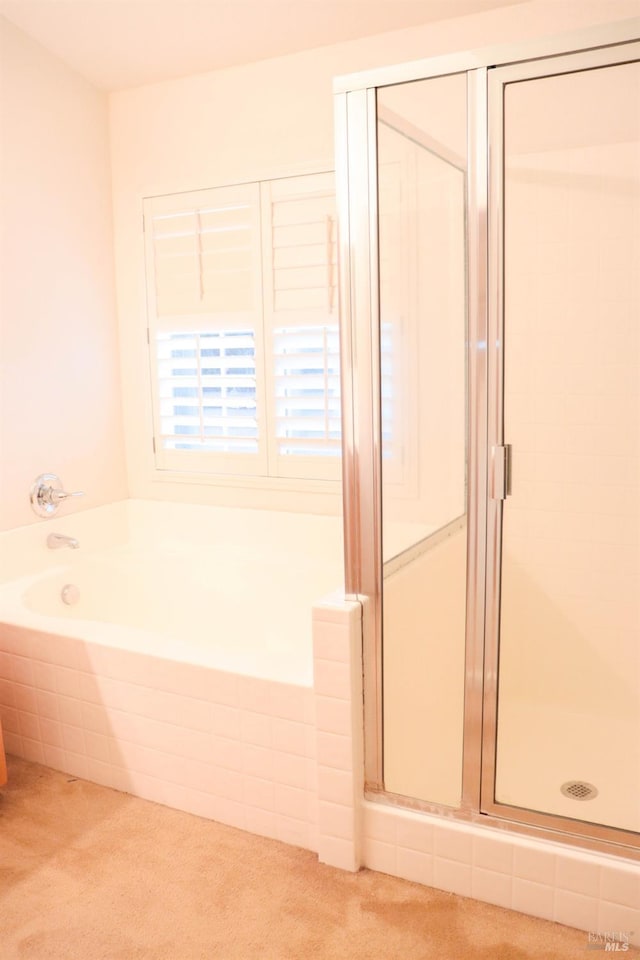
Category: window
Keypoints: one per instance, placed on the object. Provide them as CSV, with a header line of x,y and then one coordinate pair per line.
x,y
243,329
307,390
207,391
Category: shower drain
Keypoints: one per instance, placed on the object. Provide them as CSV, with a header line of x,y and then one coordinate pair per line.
x,y
579,790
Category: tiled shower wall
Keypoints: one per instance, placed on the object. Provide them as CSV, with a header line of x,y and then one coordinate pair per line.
x,y
235,749
593,892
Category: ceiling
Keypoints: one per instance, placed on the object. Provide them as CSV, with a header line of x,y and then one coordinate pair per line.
x,y
124,43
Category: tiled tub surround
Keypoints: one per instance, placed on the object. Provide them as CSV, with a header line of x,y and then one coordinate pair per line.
x,y
190,690
337,664
233,748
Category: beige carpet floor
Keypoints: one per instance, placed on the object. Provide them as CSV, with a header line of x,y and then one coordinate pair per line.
x,y
87,873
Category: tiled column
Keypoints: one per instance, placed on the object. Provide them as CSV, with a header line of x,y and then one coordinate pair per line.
x,y
337,656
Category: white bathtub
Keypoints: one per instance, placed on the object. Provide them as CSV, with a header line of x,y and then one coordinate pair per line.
x,y
229,589
184,673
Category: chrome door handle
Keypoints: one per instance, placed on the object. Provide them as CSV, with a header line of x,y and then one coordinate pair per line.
x,y
500,466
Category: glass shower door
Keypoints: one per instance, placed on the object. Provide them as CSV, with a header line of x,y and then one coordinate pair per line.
x,y
421,199
566,426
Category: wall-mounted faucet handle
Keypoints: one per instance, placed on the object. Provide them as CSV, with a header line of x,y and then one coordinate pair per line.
x,y
47,494
56,496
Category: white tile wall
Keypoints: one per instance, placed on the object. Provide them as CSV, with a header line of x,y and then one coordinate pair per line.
x,y
589,891
586,890
235,749
337,664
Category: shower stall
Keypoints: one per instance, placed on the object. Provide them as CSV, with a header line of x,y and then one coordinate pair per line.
x,y
490,244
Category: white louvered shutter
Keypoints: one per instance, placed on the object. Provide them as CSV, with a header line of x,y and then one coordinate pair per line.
x,y
205,330
301,326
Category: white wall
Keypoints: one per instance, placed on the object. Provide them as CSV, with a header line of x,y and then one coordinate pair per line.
x,y
59,387
265,119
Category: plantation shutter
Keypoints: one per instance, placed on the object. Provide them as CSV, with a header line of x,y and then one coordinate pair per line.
x,y
205,330
301,326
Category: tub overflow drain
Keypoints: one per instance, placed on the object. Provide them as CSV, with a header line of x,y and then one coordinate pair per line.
x,y
70,594
579,790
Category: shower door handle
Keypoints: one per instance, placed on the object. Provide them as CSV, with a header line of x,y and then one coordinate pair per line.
x,y
500,471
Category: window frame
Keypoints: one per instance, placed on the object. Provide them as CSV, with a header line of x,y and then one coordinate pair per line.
x,y
304,474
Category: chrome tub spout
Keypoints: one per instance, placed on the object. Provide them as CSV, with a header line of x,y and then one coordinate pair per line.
x,y
57,540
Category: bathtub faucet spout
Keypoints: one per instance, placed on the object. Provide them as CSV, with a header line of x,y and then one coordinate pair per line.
x,y
57,540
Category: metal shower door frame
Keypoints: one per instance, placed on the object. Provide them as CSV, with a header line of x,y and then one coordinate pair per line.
x,y
498,81
356,164
356,169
